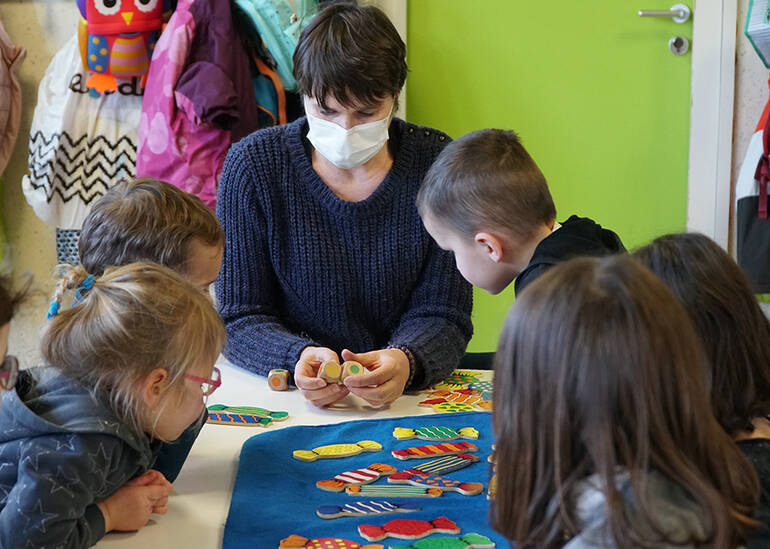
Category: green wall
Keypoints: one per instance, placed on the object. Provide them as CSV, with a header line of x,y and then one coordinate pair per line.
x,y
594,93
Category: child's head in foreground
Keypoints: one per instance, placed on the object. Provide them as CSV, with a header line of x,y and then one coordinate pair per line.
x,y
149,220
485,200
598,372
10,300
733,330
135,338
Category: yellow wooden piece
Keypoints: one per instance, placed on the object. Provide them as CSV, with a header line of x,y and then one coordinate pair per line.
x,y
337,450
402,433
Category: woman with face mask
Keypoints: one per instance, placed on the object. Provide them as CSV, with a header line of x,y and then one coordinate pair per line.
x,y
326,257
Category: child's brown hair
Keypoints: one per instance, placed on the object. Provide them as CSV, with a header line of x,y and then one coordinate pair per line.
x,y
145,219
11,299
717,295
486,179
599,371
133,319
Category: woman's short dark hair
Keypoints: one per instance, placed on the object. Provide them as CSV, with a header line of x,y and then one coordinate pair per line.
x,y
352,53
598,371
734,332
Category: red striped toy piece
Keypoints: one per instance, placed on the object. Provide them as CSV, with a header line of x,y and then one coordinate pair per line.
x,y
408,529
356,476
435,450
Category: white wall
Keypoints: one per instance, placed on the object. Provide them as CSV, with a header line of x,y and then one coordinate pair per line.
x,y
42,27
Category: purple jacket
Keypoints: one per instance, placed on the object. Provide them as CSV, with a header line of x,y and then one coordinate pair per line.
x,y
198,100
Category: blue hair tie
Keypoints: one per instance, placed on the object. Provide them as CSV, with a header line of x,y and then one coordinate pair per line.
x,y
53,309
86,285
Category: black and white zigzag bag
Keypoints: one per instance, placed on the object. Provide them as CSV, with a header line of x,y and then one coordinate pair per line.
x,y
81,143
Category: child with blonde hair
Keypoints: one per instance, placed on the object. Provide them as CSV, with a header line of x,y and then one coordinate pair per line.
x,y
605,434
127,367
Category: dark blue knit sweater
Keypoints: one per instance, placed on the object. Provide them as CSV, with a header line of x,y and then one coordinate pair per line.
x,y
303,267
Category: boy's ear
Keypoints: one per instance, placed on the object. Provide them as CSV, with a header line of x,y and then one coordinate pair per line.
x,y
492,244
154,386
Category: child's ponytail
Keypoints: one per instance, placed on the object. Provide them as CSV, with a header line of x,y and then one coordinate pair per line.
x,y
70,277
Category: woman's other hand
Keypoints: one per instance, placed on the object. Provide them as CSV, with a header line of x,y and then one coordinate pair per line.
x,y
313,388
385,380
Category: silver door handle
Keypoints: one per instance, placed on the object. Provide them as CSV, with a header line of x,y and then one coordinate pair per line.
x,y
679,13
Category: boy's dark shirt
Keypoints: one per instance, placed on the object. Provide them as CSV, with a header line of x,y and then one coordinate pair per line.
x,y
757,450
577,237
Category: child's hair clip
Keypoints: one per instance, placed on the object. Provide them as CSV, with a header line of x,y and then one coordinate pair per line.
x,y
53,309
86,285
88,282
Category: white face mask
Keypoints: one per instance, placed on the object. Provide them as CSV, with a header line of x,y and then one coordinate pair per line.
x,y
348,148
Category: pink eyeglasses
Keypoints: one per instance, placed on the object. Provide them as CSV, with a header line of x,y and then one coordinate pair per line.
x,y
9,372
208,386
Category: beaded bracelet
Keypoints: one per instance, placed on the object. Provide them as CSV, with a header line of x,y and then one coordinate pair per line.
x,y
412,362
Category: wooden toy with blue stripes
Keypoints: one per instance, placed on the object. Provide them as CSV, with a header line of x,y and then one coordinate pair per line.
x,y
416,478
361,508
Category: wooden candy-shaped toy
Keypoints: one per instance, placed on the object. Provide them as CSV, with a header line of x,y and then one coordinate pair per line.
x,y
445,464
356,476
249,410
239,420
408,529
417,478
278,379
332,451
459,379
435,450
468,541
295,541
360,508
390,491
435,434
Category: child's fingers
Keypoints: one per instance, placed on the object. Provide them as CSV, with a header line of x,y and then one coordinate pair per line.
x,y
162,510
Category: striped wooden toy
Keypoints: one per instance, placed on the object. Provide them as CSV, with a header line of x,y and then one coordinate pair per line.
x,y
249,410
389,491
356,476
242,420
361,508
435,433
431,481
434,450
445,464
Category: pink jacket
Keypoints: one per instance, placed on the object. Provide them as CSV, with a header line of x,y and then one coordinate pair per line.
x,y
198,100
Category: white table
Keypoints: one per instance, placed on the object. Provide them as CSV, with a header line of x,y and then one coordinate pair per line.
x,y
198,507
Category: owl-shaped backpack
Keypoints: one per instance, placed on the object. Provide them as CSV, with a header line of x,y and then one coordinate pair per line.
x,y
117,38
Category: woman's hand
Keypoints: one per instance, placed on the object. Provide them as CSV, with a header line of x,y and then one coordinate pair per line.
x,y
130,506
386,379
315,389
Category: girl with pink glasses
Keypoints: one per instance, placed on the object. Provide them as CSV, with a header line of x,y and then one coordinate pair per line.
x,y
128,367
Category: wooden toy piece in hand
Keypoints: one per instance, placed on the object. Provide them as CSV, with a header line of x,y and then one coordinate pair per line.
x,y
332,371
418,478
468,541
278,379
333,451
435,433
356,476
295,541
361,508
408,529
434,450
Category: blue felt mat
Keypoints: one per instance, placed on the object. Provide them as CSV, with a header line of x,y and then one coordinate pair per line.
x,y
275,495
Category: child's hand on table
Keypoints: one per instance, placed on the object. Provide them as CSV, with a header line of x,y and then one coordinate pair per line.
x,y
314,388
385,380
130,506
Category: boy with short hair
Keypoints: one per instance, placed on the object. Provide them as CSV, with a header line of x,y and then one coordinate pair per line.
x,y
145,219
485,200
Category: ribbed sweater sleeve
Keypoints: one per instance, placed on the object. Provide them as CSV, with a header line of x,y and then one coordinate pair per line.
x,y
303,267
247,288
